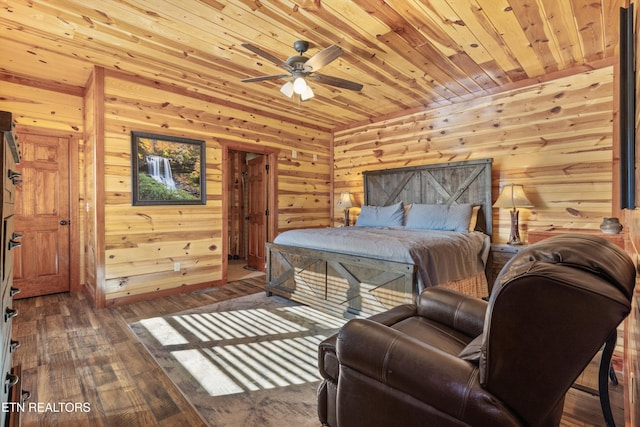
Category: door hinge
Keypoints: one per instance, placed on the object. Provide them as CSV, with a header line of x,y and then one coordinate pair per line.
x,y
266,212
266,167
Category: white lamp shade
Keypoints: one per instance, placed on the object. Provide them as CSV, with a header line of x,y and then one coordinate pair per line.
x,y
307,94
346,200
287,89
299,85
512,196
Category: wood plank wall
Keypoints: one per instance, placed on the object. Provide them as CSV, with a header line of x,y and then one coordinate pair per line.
x,y
142,243
139,245
40,107
632,324
88,197
555,138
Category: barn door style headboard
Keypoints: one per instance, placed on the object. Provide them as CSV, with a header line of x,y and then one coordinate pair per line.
x,y
449,183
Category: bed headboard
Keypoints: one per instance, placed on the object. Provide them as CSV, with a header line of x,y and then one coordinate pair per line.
x,y
449,183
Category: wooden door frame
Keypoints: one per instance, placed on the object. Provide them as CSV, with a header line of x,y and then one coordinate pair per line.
x,y
74,196
272,191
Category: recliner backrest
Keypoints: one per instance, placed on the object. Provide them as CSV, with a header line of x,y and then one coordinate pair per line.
x,y
551,309
585,252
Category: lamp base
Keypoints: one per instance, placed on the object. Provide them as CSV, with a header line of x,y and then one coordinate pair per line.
x,y
514,236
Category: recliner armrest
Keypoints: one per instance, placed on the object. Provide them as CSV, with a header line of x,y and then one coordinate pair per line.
x,y
395,314
327,362
432,376
459,311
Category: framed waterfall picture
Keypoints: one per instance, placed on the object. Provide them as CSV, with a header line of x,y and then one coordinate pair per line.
x,y
167,170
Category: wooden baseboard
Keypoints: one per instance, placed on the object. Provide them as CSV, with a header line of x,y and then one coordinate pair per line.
x,y
115,302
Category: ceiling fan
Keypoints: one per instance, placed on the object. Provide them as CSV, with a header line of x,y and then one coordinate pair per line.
x,y
300,68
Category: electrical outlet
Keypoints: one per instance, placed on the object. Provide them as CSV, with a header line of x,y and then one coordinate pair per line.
x,y
176,266
294,154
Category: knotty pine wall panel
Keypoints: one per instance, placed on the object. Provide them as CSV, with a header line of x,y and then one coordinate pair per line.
x,y
303,190
42,108
555,138
88,197
148,240
142,243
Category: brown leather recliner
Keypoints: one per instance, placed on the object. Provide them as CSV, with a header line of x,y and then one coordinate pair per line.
x,y
452,360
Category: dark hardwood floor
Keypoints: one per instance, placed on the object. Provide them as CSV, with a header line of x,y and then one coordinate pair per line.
x,y
73,354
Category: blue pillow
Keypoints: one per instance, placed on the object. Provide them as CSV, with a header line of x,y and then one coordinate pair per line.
x,y
381,216
440,217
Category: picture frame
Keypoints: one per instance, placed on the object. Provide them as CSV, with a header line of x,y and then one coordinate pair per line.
x,y
167,170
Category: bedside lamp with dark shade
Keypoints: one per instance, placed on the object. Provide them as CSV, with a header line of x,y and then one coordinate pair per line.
x,y
346,202
512,197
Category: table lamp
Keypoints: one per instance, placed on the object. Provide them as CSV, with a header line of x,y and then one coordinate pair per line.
x,y
346,201
512,197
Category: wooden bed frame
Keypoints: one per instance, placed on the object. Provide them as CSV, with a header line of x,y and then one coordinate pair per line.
x,y
352,286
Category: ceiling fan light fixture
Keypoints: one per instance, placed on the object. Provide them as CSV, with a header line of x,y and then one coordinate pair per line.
x,y
307,94
300,67
299,85
287,89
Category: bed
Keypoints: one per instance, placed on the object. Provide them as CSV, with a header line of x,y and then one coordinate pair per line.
x,y
369,268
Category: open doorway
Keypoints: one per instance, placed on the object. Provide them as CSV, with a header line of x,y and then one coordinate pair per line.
x,y
249,206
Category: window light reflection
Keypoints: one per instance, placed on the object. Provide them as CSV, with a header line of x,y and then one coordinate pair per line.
x,y
246,350
163,331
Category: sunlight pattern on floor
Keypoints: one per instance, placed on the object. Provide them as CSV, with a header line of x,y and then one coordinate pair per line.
x,y
163,331
245,350
236,324
230,369
322,319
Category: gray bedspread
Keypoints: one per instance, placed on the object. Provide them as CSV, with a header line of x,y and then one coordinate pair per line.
x,y
440,256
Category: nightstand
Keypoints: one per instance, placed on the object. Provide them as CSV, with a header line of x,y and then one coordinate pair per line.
x,y
500,254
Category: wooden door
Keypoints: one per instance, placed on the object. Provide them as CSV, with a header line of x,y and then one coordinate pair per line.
x,y
41,264
257,211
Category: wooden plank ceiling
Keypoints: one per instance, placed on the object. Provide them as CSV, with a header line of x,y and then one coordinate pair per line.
x,y
406,53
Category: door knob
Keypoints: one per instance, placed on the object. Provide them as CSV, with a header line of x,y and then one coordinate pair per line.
x,y
65,222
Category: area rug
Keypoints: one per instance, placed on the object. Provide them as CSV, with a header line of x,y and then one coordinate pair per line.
x,y
248,361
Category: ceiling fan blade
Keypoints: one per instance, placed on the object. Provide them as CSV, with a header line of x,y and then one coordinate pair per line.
x,y
337,82
322,58
262,78
268,56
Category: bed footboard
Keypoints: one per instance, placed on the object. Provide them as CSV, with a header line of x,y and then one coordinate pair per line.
x,y
345,285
